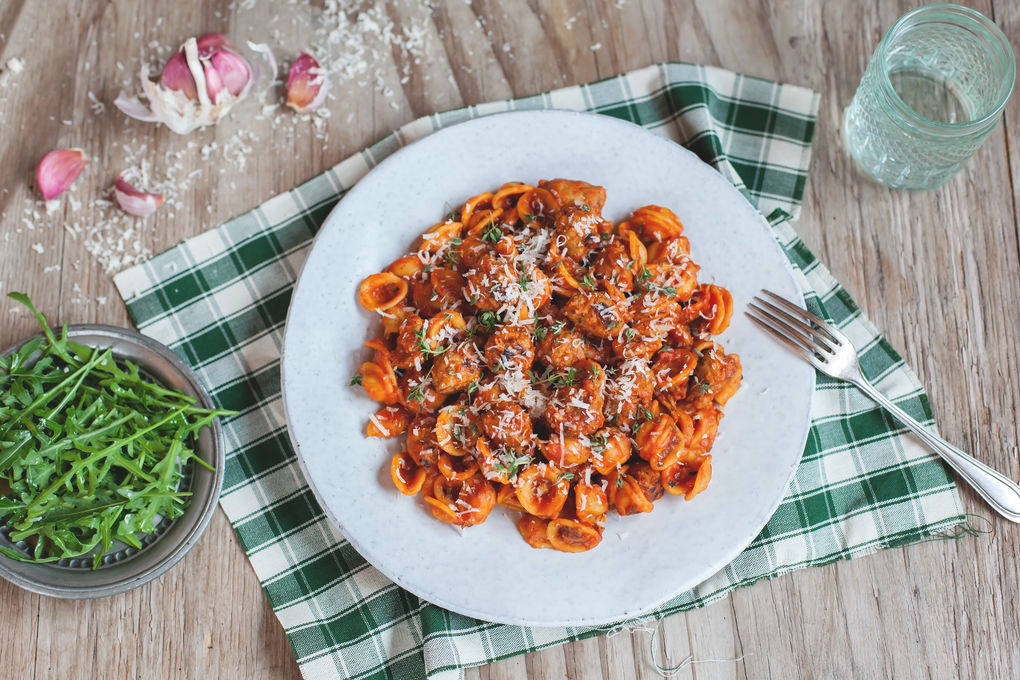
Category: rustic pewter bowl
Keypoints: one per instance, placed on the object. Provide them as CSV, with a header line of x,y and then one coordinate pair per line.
x,y
125,567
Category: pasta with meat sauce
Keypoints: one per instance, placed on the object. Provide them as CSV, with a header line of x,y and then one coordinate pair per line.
x,y
544,359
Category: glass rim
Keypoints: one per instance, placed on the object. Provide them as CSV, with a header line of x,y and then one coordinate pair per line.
x,y
935,127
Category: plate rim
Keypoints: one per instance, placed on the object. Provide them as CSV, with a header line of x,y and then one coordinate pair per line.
x,y
718,564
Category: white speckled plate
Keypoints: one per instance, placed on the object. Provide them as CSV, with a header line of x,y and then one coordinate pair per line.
x,y
488,571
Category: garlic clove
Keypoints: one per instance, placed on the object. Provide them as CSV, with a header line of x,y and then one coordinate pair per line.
x,y
57,171
232,69
133,201
177,76
306,84
213,81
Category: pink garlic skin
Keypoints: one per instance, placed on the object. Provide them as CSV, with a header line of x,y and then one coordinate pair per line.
x,y
306,84
57,171
133,201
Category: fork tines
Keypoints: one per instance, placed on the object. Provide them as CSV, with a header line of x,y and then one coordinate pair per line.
x,y
796,327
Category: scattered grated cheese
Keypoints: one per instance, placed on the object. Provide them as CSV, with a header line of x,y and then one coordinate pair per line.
x,y
382,428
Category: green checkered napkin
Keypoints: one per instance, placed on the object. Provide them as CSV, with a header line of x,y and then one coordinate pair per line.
x,y
220,300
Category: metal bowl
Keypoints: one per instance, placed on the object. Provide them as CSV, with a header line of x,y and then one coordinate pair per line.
x,y
125,567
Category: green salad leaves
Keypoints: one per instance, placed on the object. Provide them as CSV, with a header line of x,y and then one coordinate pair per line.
x,y
91,451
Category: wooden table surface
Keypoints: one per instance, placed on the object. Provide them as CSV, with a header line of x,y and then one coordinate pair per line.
x,y
938,272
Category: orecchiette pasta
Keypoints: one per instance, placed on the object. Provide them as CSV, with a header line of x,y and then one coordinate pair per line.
x,y
541,358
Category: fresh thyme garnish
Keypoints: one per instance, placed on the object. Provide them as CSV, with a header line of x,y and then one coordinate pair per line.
x,y
487,319
511,463
424,346
417,393
563,379
492,233
355,380
569,476
588,282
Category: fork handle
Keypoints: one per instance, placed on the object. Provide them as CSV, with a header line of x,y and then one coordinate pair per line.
x,y
1001,492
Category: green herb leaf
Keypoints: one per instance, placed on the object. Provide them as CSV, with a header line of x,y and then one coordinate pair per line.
x,y
510,463
492,233
424,347
487,319
355,380
417,393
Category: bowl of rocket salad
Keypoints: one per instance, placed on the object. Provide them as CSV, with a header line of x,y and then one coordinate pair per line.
x,y
111,460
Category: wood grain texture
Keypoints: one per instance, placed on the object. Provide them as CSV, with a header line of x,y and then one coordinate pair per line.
x,y
938,272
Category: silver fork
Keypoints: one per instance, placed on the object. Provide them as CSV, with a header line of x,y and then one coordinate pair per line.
x,y
831,352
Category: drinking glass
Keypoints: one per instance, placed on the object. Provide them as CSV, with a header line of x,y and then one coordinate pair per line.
x,y
934,89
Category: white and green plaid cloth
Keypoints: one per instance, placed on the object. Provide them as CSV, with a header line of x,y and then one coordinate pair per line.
x,y
220,300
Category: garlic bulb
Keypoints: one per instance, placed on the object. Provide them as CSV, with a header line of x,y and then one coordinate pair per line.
x,y
198,85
